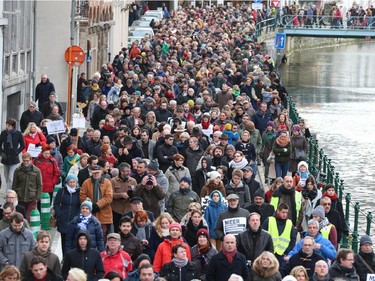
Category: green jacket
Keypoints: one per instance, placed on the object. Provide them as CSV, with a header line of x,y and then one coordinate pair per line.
x,y
27,184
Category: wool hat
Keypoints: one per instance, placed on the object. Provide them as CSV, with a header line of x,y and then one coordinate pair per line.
x,y
114,235
73,132
319,211
87,203
296,128
140,258
289,278
50,140
260,193
365,239
175,225
271,123
190,103
228,127
203,231
302,163
186,179
154,165
46,147
71,176
213,175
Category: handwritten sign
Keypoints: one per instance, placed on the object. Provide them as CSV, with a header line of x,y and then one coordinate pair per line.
x,y
79,122
55,127
234,225
370,277
34,151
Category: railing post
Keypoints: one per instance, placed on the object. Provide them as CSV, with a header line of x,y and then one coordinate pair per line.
x,y
355,229
321,154
345,241
341,189
325,165
332,174
316,153
336,181
310,140
329,171
369,221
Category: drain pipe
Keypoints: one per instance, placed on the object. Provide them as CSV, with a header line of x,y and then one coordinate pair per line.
x,y
33,82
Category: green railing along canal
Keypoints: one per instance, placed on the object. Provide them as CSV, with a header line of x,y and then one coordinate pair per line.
x,y
320,166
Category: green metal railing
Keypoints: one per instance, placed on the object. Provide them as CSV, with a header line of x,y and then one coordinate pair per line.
x,y
321,165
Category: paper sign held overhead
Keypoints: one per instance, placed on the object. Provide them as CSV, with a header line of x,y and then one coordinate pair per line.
x,y
55,127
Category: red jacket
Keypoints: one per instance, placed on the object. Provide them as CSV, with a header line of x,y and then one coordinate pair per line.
x,y
39,139
49,170
164,252
119,262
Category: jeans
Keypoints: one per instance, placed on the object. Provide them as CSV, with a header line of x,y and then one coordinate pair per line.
x,y
8,175
281,169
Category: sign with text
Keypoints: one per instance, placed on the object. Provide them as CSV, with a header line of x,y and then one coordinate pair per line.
x,y
234,225
370,277
34,151
55,127
79,122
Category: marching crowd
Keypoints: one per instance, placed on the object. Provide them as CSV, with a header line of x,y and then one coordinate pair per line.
x,y
162,185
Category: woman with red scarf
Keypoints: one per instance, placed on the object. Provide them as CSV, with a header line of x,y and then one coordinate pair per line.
x,y
282,149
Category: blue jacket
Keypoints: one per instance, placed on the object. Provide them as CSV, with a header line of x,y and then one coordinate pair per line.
x,y
66,207
327,250
260,120
93,227
212,212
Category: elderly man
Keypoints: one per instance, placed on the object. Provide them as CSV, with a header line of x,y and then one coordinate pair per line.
x,y
364,261
32,114
43,89
227,262
320,271
48,105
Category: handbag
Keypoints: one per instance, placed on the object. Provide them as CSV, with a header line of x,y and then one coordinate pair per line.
x,y
52,222
299,154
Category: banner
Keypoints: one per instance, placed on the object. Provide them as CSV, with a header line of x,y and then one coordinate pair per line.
x,y
234,225
55,127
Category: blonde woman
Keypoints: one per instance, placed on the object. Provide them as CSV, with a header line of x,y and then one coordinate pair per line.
x,y
265,268
76,274
159,232
33,135
10,273
300,273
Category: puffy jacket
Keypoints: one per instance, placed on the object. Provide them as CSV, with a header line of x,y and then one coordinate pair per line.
x,y
119,262
212,212
260,273
339,272
66,206
163,254
27,184
173,273
50,172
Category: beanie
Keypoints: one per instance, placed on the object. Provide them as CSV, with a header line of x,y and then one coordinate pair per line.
x,y
365,239
319,211
186,179
303,163
71,176
203,231
259,192
50,140
87,203
175,225
140,258
154,165
213,175
228,127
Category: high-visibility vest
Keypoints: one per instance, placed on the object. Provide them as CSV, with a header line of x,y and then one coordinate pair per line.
x,y
326,230
298,198
280,241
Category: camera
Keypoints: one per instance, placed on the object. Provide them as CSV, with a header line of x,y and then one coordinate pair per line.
x,y
149,180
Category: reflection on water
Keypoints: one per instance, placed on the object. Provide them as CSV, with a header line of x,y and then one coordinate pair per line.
x,y
334,90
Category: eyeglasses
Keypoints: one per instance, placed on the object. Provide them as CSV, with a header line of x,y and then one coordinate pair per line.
x,y
349,259
327,204
308,245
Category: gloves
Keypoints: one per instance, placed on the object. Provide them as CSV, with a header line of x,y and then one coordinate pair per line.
x,y
95,208
285,149
37,145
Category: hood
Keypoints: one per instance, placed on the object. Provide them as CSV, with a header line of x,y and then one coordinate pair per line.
x,y
208,160
221,197
302,163
87,234
265,272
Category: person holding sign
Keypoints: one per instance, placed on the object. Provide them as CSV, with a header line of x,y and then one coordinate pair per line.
x,y
33,135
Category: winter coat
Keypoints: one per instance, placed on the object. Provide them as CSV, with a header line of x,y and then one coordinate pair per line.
x,y
53,262
265,211
27,184
228,214
260,273
119,262
9,156
202,260
252,244
360,267
119,204
150,146
39,139
327,250
342,273
49,170
260,120
131,245
171,272
212,212
93,227
13,246
248,149
56,154
219,269
66,206
174,176
242,190
211,186
300,258
89,260
147,231
162,151
51,276
189,232
282,156
150,198
192,158
163,254
65,144
42,91
87,191
155,241
179,201
27,117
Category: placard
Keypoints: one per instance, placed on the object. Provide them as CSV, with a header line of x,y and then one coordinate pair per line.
x,y
55,127
234,225
34,151
79,122
370,277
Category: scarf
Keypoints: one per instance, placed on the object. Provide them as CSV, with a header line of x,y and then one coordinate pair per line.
x,y
73,160
95,88
204,249
333,197
33,135
164,232
84,221
97,190
205,125
9,138
238,165
53,151
310,194
283,141
71,190
290,192
229,256
268,137
141,230
180,263
323,223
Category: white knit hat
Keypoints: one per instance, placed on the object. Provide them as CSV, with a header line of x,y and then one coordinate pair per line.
x,y
213,175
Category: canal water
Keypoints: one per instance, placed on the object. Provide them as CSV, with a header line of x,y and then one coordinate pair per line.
x,y
334,91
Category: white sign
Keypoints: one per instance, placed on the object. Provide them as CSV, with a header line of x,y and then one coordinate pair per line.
x,y
257,6
370,277
34,151
234,225
55,127
79,122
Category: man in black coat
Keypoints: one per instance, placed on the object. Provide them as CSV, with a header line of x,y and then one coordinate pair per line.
x,y
48,105
32,114
227,262
40,271
365,259
11,145
129,151
248,178
84,257
259,206
42,90
165,152
72,139
99,114
84,173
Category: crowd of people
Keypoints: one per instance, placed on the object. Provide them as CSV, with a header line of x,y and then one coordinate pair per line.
x,y
162,184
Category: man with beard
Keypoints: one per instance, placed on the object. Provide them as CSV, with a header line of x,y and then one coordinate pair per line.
x,y
140,171
175,173
218,159
162,114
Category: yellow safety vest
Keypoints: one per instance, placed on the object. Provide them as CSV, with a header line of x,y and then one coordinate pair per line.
x,y
326,230
280,242
298,198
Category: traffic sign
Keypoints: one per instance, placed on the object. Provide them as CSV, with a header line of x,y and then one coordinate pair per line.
x,y
280,40
88,59
74,55
276,3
